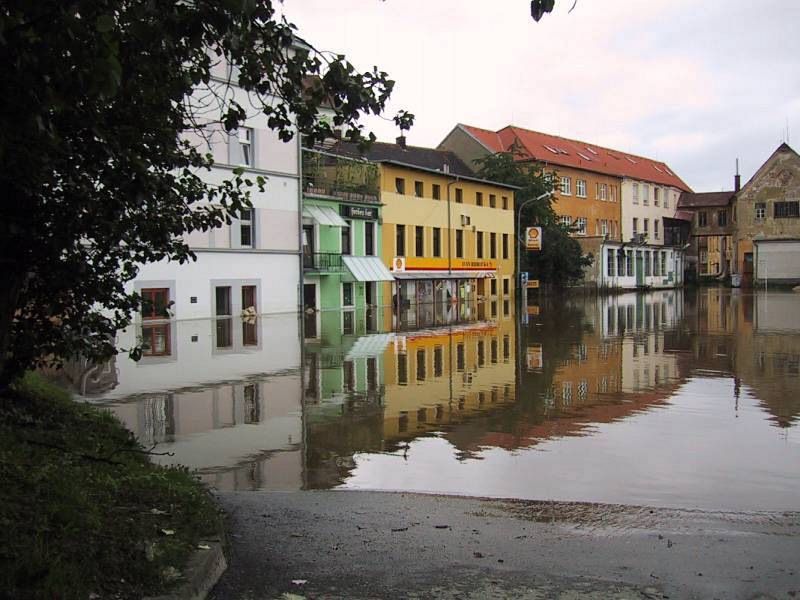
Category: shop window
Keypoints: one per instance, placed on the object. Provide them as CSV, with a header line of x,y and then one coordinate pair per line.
x,y
154,303
436,191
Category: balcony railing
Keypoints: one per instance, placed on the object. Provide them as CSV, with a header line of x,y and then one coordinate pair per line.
x,y
340,177
323,261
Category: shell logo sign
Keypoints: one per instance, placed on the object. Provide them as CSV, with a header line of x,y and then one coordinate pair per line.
x,y
399,264
533,238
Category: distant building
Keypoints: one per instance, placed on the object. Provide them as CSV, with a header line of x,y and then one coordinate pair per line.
x,y
616,202
711,243
766,212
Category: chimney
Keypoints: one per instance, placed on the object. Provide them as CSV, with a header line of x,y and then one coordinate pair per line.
x,y
737,180
401,141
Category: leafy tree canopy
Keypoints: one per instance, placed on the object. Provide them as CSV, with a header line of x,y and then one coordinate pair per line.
x,y
95,173
560,262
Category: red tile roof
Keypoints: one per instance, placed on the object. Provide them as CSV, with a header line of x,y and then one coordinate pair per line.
x,y
691,200
556,150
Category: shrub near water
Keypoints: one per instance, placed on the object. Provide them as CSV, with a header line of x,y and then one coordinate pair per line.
x,y
82,509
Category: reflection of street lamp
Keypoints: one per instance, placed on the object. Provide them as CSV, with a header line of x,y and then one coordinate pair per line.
x,y
520,243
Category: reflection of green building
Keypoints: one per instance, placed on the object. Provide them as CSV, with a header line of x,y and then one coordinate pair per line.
x,y
341,239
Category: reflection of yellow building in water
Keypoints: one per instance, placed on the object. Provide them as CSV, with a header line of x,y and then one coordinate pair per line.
x,y
464,370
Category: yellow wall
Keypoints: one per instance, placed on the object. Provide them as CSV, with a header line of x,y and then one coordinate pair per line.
x,y
411,211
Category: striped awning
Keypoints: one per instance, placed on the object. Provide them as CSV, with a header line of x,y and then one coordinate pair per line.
x,y
370,345
324,215
367,268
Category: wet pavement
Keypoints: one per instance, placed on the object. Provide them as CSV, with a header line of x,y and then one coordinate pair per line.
x,y
341,544
682,399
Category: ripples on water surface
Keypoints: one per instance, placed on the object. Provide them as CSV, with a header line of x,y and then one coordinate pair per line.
x,y
672,398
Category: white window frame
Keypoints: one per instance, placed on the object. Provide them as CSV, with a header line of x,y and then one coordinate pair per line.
x,y
645,195
666,198
249,222
242,147
635,225
580,188
655,228
581,223
603,191
603,227
352,294
566,186
566,220
635,193
656,201
761,211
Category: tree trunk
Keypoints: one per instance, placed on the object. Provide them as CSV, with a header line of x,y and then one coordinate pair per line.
x,y
11,280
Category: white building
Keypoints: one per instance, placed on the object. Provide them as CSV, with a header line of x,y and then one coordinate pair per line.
x,y
645,205
631,266
255,261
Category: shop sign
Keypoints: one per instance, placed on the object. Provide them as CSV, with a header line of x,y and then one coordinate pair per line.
x,y
532,284
533,310
398,264
359,212
534,357
533,238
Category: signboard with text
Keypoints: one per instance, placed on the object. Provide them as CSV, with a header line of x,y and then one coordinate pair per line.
x,y
533,284
533,238
359,212
534,357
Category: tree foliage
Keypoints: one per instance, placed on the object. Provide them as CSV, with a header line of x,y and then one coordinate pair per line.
x,y
95,173
560,262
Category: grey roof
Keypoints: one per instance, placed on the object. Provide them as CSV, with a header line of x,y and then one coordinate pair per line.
x,y
692,199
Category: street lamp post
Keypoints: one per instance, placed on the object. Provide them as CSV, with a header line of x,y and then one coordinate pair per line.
x,y
520,241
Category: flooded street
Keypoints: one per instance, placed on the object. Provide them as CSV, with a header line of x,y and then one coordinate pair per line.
x,y
682,399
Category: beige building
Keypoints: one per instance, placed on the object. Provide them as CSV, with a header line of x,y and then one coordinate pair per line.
x,y
766,214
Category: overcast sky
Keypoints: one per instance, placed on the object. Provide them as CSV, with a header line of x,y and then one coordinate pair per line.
x,y
693,83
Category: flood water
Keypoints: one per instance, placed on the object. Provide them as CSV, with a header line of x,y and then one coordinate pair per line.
x,y
670,398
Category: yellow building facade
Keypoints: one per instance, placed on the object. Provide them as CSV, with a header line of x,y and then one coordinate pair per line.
x,y
446,236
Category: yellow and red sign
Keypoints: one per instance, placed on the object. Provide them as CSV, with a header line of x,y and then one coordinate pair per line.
x,y
534,356
533,238
410,263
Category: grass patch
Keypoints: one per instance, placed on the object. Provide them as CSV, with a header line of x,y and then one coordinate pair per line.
x,y
82,509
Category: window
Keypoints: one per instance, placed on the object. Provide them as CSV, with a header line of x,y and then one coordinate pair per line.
x,y
479,198
663,263
346,239
348,322
493,287
636,193
421,365
400,240
566,186
666,198
223,308
787,210
647,264
369,238
459,195
761,211
460,357
620,263
603,191
702,219
505,245
646,226
604,227
436,191
459,243
249,328
655,228
506,286
347,293
722,218
402,369
438,361
154,303
419,241
580,188
613,193
156,340
610,262
437,241
246,230
479,242
400,185
242,147
249,297
656,199
566,221
492,201
655,263
580,224
493,245
418,189
505,202
646,194
635,225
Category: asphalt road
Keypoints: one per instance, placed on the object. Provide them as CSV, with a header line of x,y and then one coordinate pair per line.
x,y
341,544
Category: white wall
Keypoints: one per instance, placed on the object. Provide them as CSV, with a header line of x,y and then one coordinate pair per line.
x,y
650,212
277,277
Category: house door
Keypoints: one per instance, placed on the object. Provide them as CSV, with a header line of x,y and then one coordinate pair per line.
x,y
639,268
747,270
309,310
